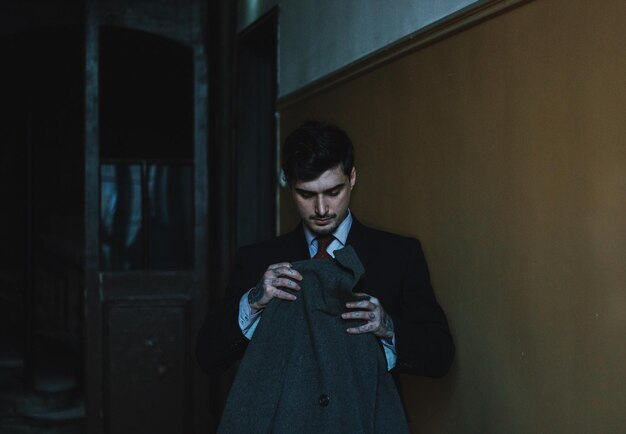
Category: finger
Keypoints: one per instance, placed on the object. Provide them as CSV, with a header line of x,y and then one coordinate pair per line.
x,y
283,282
283,295
287,272
364,315
363,304
279,265
369,297
363,298
366,328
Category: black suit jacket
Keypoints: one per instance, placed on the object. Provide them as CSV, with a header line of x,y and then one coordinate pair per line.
x,y
395,272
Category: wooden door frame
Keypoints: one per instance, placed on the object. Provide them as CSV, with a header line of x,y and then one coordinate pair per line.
x,y
94,311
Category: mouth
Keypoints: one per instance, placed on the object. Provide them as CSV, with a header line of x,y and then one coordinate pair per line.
x,y
322,222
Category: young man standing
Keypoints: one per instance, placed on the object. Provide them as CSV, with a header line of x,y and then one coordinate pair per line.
x,y
397,303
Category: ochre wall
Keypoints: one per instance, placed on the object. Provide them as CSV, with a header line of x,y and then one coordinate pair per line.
x,y
503,148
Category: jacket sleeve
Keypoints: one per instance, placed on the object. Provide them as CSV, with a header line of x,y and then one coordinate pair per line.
x,y
423,341
220,342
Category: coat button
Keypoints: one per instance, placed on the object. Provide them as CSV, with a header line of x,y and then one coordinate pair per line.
x,y
323,400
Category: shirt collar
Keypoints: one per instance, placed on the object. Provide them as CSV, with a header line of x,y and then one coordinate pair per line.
x,y
341,233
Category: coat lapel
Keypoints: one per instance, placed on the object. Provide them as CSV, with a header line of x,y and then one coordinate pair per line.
x,y
356,236
295,245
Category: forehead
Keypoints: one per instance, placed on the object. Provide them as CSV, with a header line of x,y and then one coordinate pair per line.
x,y
327,180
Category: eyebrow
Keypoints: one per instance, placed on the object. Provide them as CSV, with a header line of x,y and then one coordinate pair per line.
x,y
328,190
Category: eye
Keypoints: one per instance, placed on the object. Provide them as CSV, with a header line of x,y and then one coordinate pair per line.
x,y
334,192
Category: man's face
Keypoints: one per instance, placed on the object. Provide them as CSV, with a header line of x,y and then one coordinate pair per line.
x,y
323,202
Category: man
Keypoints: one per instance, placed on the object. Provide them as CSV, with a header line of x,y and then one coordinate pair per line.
x,y
396,302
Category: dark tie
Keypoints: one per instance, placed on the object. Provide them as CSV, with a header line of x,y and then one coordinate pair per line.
x,y
323,241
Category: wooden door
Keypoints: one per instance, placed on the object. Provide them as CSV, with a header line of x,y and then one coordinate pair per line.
x,y
146,232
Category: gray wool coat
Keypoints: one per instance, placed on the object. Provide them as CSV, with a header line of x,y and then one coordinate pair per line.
x,y
302,373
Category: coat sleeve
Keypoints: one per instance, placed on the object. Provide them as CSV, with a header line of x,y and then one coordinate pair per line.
x,y
423,341
220,342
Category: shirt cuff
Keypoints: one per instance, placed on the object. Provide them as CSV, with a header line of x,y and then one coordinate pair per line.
x,y
390,351
247,320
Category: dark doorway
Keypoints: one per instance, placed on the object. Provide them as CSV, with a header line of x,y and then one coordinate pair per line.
x,y
145,233
41,230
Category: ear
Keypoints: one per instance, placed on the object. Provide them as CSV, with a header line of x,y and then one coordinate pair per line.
x,y
352,177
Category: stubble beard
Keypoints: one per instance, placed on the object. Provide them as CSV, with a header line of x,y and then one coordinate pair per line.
x,y
326,230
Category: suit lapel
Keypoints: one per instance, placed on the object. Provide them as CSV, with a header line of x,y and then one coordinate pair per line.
x,y
295,245
356,236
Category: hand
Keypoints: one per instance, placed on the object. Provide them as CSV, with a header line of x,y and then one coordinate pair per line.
x,y
276,276
378,322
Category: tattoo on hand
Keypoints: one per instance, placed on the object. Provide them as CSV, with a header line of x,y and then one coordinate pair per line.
x,y
388,322
255,295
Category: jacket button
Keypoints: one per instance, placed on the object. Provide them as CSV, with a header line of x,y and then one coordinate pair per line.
x,y
323,400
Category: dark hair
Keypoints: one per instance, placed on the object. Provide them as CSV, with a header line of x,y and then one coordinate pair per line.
x,y
313,148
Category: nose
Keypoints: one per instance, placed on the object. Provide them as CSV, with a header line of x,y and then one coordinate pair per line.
x,y
321,208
